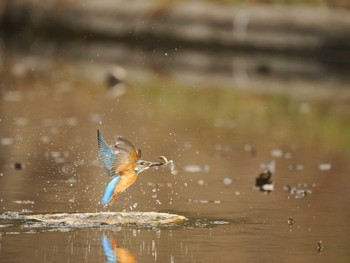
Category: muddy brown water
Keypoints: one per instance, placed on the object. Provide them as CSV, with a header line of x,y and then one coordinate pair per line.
x,y
219,140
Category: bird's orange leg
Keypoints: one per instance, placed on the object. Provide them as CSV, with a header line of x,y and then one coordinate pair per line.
x,y
114,197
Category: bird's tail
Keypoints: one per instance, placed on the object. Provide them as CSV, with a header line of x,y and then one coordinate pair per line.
x,y
109,194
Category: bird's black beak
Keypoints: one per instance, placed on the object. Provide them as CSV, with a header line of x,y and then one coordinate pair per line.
x,y
163,160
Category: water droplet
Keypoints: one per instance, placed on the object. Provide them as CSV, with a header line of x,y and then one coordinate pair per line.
x,y
227,181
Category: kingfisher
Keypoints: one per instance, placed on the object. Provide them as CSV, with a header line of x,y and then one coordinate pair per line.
x,y
123,164
115,253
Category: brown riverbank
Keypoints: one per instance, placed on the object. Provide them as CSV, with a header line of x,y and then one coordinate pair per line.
x,y
203,25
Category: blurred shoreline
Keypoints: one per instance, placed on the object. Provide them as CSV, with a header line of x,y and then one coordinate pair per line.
x,y
269,49
304,30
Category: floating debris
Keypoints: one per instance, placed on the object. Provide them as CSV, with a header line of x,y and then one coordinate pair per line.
x,y
325,166
320,246
263,182
291,221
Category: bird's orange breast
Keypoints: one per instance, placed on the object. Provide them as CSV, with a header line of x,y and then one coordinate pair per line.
x,y
126,180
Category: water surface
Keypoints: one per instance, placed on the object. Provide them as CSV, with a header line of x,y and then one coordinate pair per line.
x,y
220,137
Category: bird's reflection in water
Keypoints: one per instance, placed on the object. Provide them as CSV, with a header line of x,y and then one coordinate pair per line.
x,y
115,254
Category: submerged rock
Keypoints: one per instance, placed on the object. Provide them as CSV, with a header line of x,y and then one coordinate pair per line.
x,y
108,218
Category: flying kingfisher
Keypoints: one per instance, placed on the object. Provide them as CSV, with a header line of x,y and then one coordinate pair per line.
x,y
123,164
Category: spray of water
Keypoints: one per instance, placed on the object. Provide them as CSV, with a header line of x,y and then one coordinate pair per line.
x,y
165,161
172,167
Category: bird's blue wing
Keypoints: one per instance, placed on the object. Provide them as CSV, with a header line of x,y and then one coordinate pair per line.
x,y
108,250
109,191
106,154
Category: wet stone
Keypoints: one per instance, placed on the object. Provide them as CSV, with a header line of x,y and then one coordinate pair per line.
x,y
18,166
263,182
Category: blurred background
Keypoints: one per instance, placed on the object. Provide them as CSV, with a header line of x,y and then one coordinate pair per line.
x,y
249,98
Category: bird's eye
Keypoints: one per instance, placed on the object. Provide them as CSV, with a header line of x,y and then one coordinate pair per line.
x,y
142,163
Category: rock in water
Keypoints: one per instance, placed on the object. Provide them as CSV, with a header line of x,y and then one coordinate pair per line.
x,y
108,218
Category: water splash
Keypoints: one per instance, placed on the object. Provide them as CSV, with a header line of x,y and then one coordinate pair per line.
x,y
165,161
173,169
